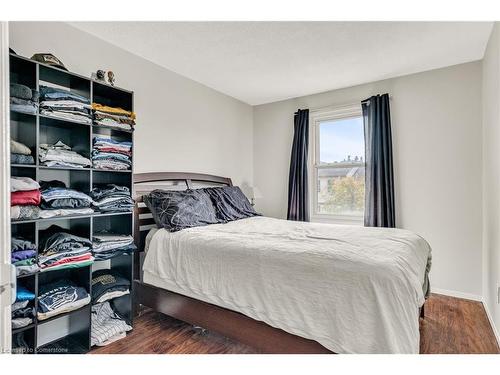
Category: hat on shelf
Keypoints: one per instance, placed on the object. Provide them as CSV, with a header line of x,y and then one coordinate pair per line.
x,y
49,59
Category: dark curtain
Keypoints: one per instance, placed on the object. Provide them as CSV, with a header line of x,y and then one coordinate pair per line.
x,y
298,200
379,175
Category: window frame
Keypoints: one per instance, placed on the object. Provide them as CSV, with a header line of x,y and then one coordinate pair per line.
x,y
315,118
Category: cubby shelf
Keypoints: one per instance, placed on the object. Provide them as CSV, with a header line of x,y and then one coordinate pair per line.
x,y
36,129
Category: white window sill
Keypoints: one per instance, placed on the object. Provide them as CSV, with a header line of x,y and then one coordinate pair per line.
x,y
359,221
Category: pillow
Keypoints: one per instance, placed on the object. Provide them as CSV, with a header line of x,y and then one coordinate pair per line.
x,y
176,210
230,203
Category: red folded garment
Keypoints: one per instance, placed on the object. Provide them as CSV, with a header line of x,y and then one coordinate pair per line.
x,y
79,258
25,198
115,150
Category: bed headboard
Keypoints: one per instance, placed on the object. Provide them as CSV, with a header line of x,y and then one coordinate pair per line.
x,y
143,183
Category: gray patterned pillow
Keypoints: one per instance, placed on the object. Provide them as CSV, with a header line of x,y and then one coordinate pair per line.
x,y
176,210
230,203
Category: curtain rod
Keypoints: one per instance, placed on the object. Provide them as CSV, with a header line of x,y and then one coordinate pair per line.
x,y
334,106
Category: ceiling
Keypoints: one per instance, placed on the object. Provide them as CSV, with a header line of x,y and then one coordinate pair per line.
x,y
262,62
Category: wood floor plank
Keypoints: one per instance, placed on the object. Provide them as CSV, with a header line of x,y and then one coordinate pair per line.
x,y
451,325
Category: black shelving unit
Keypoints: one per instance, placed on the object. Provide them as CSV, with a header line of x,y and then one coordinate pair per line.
x,y
44,336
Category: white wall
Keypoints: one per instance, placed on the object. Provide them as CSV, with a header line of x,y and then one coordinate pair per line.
x,y
436,119
182,125
491,176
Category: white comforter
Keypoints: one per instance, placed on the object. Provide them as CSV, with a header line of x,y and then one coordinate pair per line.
x,y
352,289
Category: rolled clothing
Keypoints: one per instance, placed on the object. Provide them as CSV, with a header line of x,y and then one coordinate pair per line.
x,y
106,324
25,198
24,212
60,297
19,148
22,92
21,159
105,281
23,184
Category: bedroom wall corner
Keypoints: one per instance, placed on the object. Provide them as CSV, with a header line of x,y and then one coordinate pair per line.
x,y
491,179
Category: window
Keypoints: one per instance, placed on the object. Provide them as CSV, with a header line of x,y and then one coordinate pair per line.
x,y
338,179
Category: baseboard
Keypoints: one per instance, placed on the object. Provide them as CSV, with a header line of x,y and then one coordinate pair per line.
x,y
453,293
492,323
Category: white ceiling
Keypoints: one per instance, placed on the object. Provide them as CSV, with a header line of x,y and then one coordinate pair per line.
x,y
262,62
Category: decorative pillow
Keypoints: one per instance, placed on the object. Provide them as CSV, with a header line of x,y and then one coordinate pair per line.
x,y
176,210
230,203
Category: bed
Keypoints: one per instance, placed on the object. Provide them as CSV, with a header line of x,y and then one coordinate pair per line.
x,y
282,286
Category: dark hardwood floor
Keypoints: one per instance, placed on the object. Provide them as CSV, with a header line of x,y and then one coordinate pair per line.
x,y
451,325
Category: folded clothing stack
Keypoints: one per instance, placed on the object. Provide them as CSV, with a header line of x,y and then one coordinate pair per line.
x,y
23,99
112,198
106,245
60,297
25,197
111,154
61,155
107,326
114,117
23,256
20,153
57,200
60,249
22,314
108,284
64,104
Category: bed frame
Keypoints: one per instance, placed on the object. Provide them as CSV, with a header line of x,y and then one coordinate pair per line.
x,y
228,323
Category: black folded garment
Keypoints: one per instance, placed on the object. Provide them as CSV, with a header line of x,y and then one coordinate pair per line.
x,y
112,198
105,281
26,312
55,196
105,255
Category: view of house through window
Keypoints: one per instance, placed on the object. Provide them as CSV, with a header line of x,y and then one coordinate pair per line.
x,y
340,167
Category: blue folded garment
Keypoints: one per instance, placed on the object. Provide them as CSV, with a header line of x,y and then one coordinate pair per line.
x,y
52,93
23,294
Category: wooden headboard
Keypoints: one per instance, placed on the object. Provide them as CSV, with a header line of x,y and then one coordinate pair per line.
x,y
144,183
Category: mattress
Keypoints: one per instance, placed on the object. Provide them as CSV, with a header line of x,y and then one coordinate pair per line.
x,y
352,289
